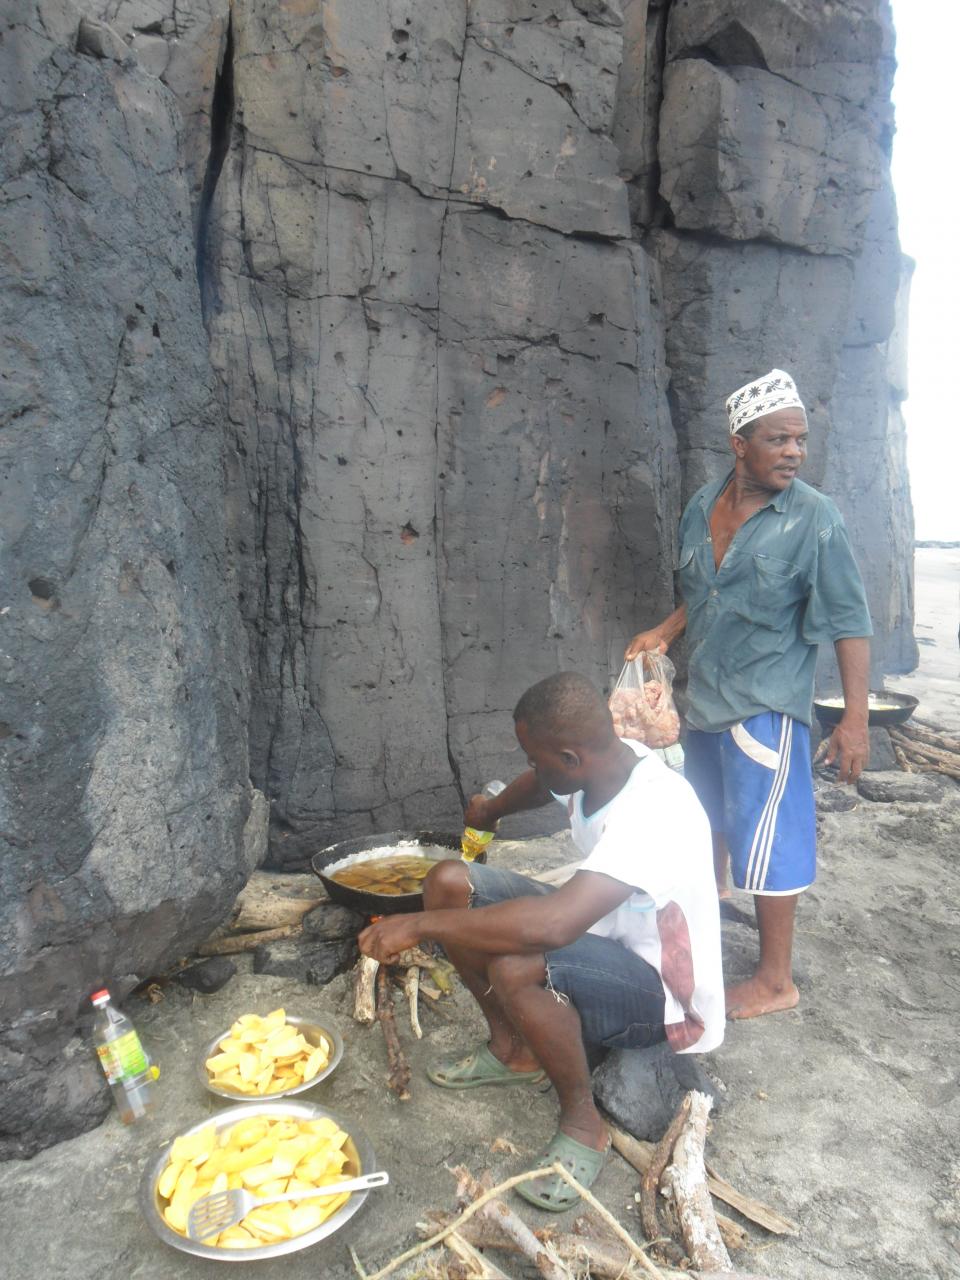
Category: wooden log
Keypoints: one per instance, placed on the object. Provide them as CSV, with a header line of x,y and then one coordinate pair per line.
x,y
233,944
638,1153
478,1266
913,730
364,986
411,987
936,754
650,1181
539,1253
755,1210
901,759
635,1151
686,1180
605,1260
398,1078
270,900
734,1236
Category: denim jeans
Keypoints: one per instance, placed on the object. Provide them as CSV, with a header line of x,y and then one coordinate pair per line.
x,y
618,996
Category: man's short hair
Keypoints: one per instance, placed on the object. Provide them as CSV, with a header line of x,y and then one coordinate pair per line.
x,y
568,706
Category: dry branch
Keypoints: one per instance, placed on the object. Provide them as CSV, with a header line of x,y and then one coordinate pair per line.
x,y
686,1180
479,1266
236,943
540,1253
471,1210
650,1181
901,759
364,983
398,1079
755,1210
269,900
638,1153
606,1260
411,987
913,730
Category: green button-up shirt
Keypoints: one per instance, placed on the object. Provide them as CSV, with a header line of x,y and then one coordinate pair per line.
x,y
787,583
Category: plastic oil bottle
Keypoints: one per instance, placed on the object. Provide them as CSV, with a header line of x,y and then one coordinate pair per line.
x,y
474,842
124,1062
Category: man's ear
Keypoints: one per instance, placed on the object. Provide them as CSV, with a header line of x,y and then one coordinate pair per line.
x,y
570,758
738,444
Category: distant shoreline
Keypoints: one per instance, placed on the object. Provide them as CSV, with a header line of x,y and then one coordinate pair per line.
x,y
935,543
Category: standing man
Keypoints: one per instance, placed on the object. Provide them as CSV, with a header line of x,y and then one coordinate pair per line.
x,y
625,954
766,575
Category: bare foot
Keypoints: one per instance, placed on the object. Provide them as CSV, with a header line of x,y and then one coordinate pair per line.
x,y
754,997
724,891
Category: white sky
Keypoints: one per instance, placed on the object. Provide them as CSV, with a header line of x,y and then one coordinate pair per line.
x,y
925,176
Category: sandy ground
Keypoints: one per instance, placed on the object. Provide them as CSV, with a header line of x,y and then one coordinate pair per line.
x,y
844,1114
937,609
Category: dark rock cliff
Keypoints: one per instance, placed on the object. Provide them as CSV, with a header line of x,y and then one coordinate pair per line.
x,y
358,357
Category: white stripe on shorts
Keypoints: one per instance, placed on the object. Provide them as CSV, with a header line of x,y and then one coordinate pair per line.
x,y
755,750
762,844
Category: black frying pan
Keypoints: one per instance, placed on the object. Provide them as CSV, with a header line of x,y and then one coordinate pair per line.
x,y
900,707
379,904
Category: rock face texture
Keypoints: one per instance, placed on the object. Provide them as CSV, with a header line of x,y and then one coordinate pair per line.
x,y
358,359
126,791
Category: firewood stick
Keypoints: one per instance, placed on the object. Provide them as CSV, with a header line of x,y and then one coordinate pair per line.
x,y
482,1267
658,1162
686,1179
734,1236
247,941
913,730
634,1150
411,986
606,1260
755,1210
398,1078
507,1185
540,1253
937,754
638,1153
901,759
364,982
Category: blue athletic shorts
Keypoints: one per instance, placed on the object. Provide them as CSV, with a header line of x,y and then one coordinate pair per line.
x,y
618,996
756,784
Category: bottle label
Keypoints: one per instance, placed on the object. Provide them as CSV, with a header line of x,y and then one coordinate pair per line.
x,y
123,1058
474,842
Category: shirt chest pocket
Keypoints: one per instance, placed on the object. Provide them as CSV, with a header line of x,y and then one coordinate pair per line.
x,y
773,590
692,574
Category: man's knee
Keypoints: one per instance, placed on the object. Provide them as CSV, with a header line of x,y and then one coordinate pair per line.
x,y
447,885
510,974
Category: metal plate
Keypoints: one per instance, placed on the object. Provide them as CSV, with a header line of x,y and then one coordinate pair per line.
x,y
361,1160
309,1030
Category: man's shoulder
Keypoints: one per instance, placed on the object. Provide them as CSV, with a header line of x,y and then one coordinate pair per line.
x,y
804,497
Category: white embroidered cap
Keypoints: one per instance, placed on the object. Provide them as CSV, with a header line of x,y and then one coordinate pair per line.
x,y
775,390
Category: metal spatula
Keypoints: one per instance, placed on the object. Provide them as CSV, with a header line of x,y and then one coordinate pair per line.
x,y
215,1213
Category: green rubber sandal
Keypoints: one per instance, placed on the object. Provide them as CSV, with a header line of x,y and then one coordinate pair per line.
x,y
479,1068
551,1192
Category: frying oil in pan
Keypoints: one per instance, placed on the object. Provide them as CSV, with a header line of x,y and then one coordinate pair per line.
x,y
393,874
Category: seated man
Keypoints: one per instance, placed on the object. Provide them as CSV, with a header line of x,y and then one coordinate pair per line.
x,y
623,955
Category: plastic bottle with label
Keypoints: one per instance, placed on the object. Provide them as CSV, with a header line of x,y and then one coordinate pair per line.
x,y
122,1057
474,842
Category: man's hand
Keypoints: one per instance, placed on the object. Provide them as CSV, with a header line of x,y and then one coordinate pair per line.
x,y
849,745
390,935
478,814
659,638
645,642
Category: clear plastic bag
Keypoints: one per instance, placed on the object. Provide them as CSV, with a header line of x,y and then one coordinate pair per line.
x,y
642,703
